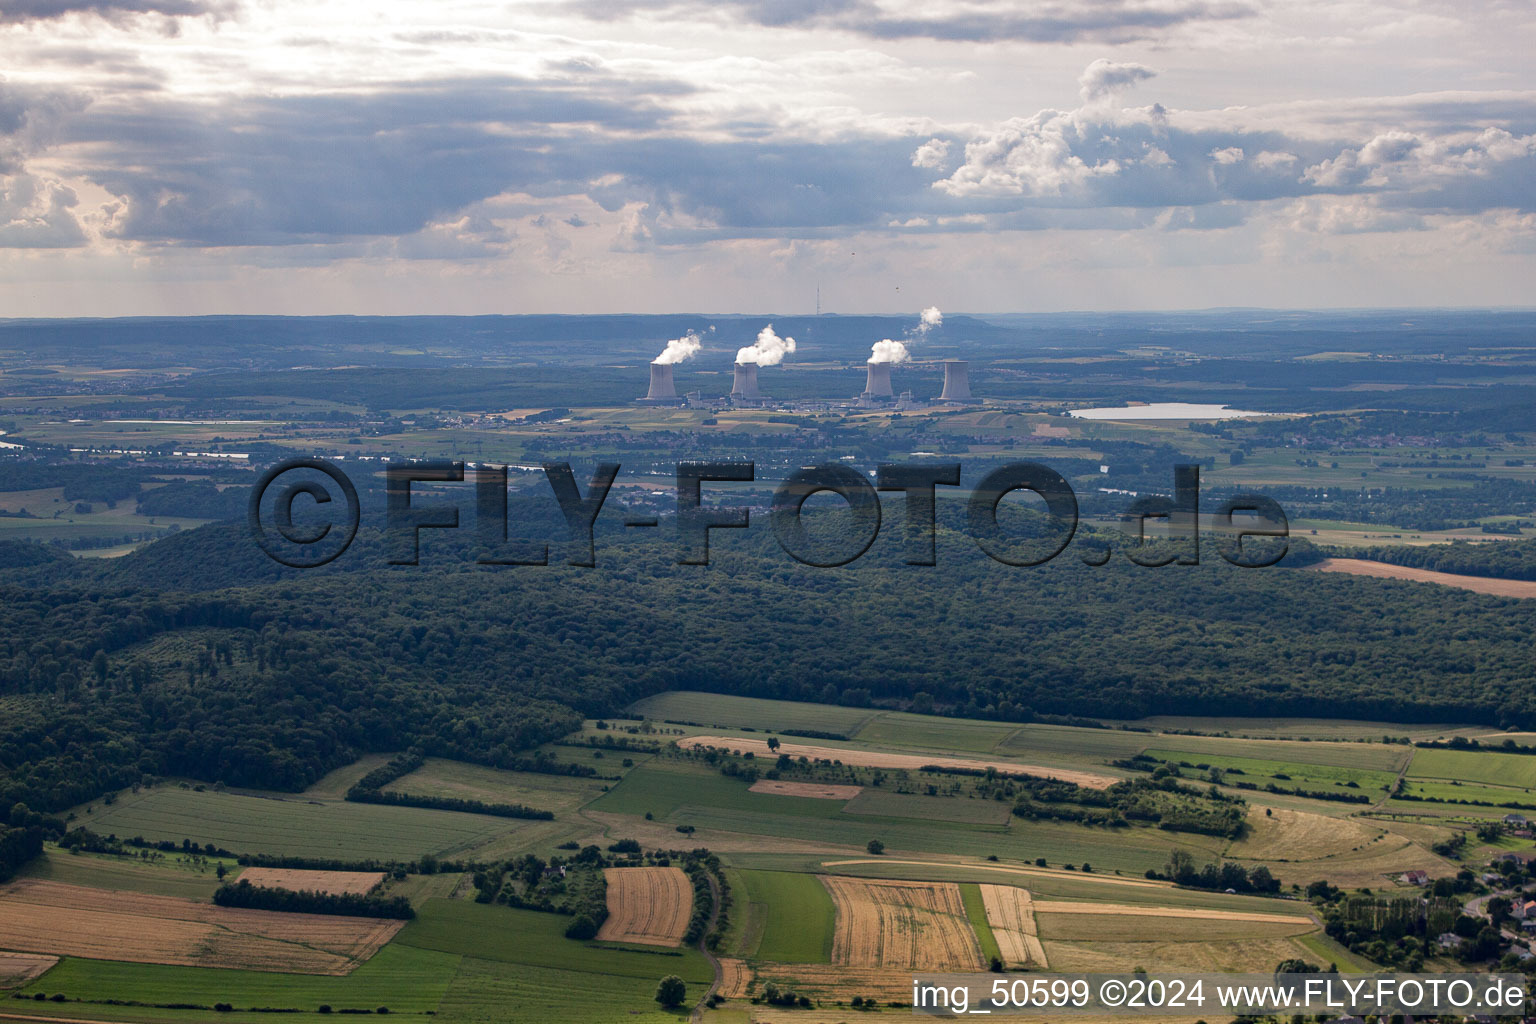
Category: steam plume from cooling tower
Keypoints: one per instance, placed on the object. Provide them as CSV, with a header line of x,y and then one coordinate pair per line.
x,y
768,350
889,351
679,349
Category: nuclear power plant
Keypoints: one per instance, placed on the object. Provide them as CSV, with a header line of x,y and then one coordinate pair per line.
x,y
878,391
877,383
744,387
957,382
663,390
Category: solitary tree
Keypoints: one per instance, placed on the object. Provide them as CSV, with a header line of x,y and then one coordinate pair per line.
x,y
875,847
671,991
773,743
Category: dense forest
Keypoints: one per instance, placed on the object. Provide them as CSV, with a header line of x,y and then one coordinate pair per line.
x,y
268,678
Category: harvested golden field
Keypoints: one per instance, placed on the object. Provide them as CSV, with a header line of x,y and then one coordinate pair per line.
x,y
901,925
50,917
1300,847
650,906
337,883
886,759
1106,928
815,790
1385,571
1186,913
735,978
1170,956
1300,835
1011,914
17,969
825,982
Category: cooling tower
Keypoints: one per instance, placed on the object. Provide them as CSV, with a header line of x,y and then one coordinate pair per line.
x,y
662,388
878,384
663,391
957,381
745,385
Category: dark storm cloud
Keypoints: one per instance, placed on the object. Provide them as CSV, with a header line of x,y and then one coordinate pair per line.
x,y
1100,20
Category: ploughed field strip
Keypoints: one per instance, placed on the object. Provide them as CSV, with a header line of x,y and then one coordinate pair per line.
x,y
69,920
335,883
1388,571
901,925
650,906
814,790
888,759
1011,915
16,969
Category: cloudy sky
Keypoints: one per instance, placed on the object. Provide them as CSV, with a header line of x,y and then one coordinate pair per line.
x,y
457,156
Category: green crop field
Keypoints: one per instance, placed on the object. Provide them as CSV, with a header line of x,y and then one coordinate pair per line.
x,y
1387,757
557,793
925,732
798,929
976,913
714,710
884,804
171,875
485,992
405,979
295,826
1262,771
1453,792
1518,770
664,788
527,937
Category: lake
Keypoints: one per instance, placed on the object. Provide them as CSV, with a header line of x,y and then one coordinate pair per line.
x,y
1166,411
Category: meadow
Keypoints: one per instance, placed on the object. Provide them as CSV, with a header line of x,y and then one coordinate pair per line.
x,y
1514,770
294,826
404,978
512,936
797,915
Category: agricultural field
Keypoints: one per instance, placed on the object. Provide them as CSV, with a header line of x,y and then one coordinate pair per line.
x,y
164,874
1011,916
557,793
901,925
410,982
959,879
295,825
337,883
647,906
67,920
869,758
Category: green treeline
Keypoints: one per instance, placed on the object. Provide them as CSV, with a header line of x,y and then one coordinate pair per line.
x,y
17,846
445,803
350,904
1503,559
